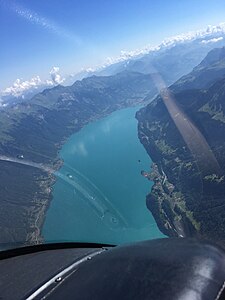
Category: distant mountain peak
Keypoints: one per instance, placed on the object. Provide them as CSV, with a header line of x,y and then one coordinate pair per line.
x,y
135,60
207,72
213,56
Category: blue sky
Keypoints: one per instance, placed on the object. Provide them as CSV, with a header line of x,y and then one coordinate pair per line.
x,y
39,34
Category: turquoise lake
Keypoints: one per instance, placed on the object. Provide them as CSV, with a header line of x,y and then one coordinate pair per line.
x,y
99,195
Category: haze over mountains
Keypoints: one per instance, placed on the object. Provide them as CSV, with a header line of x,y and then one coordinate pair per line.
x,y
173,58
206,73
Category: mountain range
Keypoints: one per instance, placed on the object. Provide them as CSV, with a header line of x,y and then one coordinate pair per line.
x,y
182,129
33,130
173,58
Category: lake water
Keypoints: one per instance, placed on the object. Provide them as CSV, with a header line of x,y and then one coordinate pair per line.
x,y
99,195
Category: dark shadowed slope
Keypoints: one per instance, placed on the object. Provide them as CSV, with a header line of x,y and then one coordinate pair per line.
x,y
31,134
183,131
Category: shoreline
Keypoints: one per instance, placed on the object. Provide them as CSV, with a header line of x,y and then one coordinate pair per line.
x,y
39,217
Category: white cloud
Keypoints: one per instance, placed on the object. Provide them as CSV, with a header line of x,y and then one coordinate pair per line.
x,y
169,42
90,70
209,35
55,76
2,103
214,40
20,86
